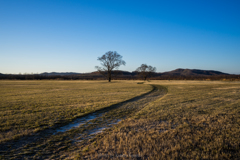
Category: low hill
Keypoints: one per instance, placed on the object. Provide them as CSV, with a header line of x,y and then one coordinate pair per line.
x,y
125,73
193,72
59,73
176,72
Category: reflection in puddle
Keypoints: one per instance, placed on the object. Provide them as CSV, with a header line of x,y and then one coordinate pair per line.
x,y
100,129
78,122
97,130
84,120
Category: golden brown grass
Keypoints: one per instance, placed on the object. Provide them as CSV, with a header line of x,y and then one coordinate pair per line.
x,y
193,121
29,106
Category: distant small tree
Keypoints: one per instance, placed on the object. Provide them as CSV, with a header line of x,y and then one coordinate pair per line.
x,y
109,61
145,71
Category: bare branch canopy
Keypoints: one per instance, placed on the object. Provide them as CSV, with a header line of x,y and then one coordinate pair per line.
x,y
109,61
145,71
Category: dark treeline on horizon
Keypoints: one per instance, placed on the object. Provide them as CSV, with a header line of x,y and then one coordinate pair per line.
x,y
115,77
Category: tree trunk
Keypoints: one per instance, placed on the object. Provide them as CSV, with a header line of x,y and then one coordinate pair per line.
x,y
109,76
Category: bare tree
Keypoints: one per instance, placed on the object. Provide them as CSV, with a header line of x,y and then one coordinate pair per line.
x,y
109,61
145,71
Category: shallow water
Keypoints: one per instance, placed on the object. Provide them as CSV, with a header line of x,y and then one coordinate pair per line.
x,y
78,122
100,129
84,120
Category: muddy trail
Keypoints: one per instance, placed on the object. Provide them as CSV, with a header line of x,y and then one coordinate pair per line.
x,y
54,143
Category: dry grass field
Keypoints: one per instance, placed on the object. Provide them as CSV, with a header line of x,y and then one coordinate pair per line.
x,y
194,120
185,120
30,106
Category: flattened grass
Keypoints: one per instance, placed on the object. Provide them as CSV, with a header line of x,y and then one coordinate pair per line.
x,y
195,120
30,106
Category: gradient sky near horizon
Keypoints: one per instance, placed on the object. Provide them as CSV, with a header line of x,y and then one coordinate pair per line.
x,y
68,35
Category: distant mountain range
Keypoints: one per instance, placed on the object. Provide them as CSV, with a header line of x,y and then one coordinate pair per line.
x,y
59,73
176,72
193,72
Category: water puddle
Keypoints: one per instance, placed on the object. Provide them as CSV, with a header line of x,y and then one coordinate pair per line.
x,y
86,120
117,121
100,129
78,122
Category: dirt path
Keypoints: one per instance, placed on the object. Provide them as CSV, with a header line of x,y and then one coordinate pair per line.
x,y
53,143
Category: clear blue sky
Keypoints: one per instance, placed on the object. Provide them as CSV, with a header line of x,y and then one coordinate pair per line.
x,y
68,35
